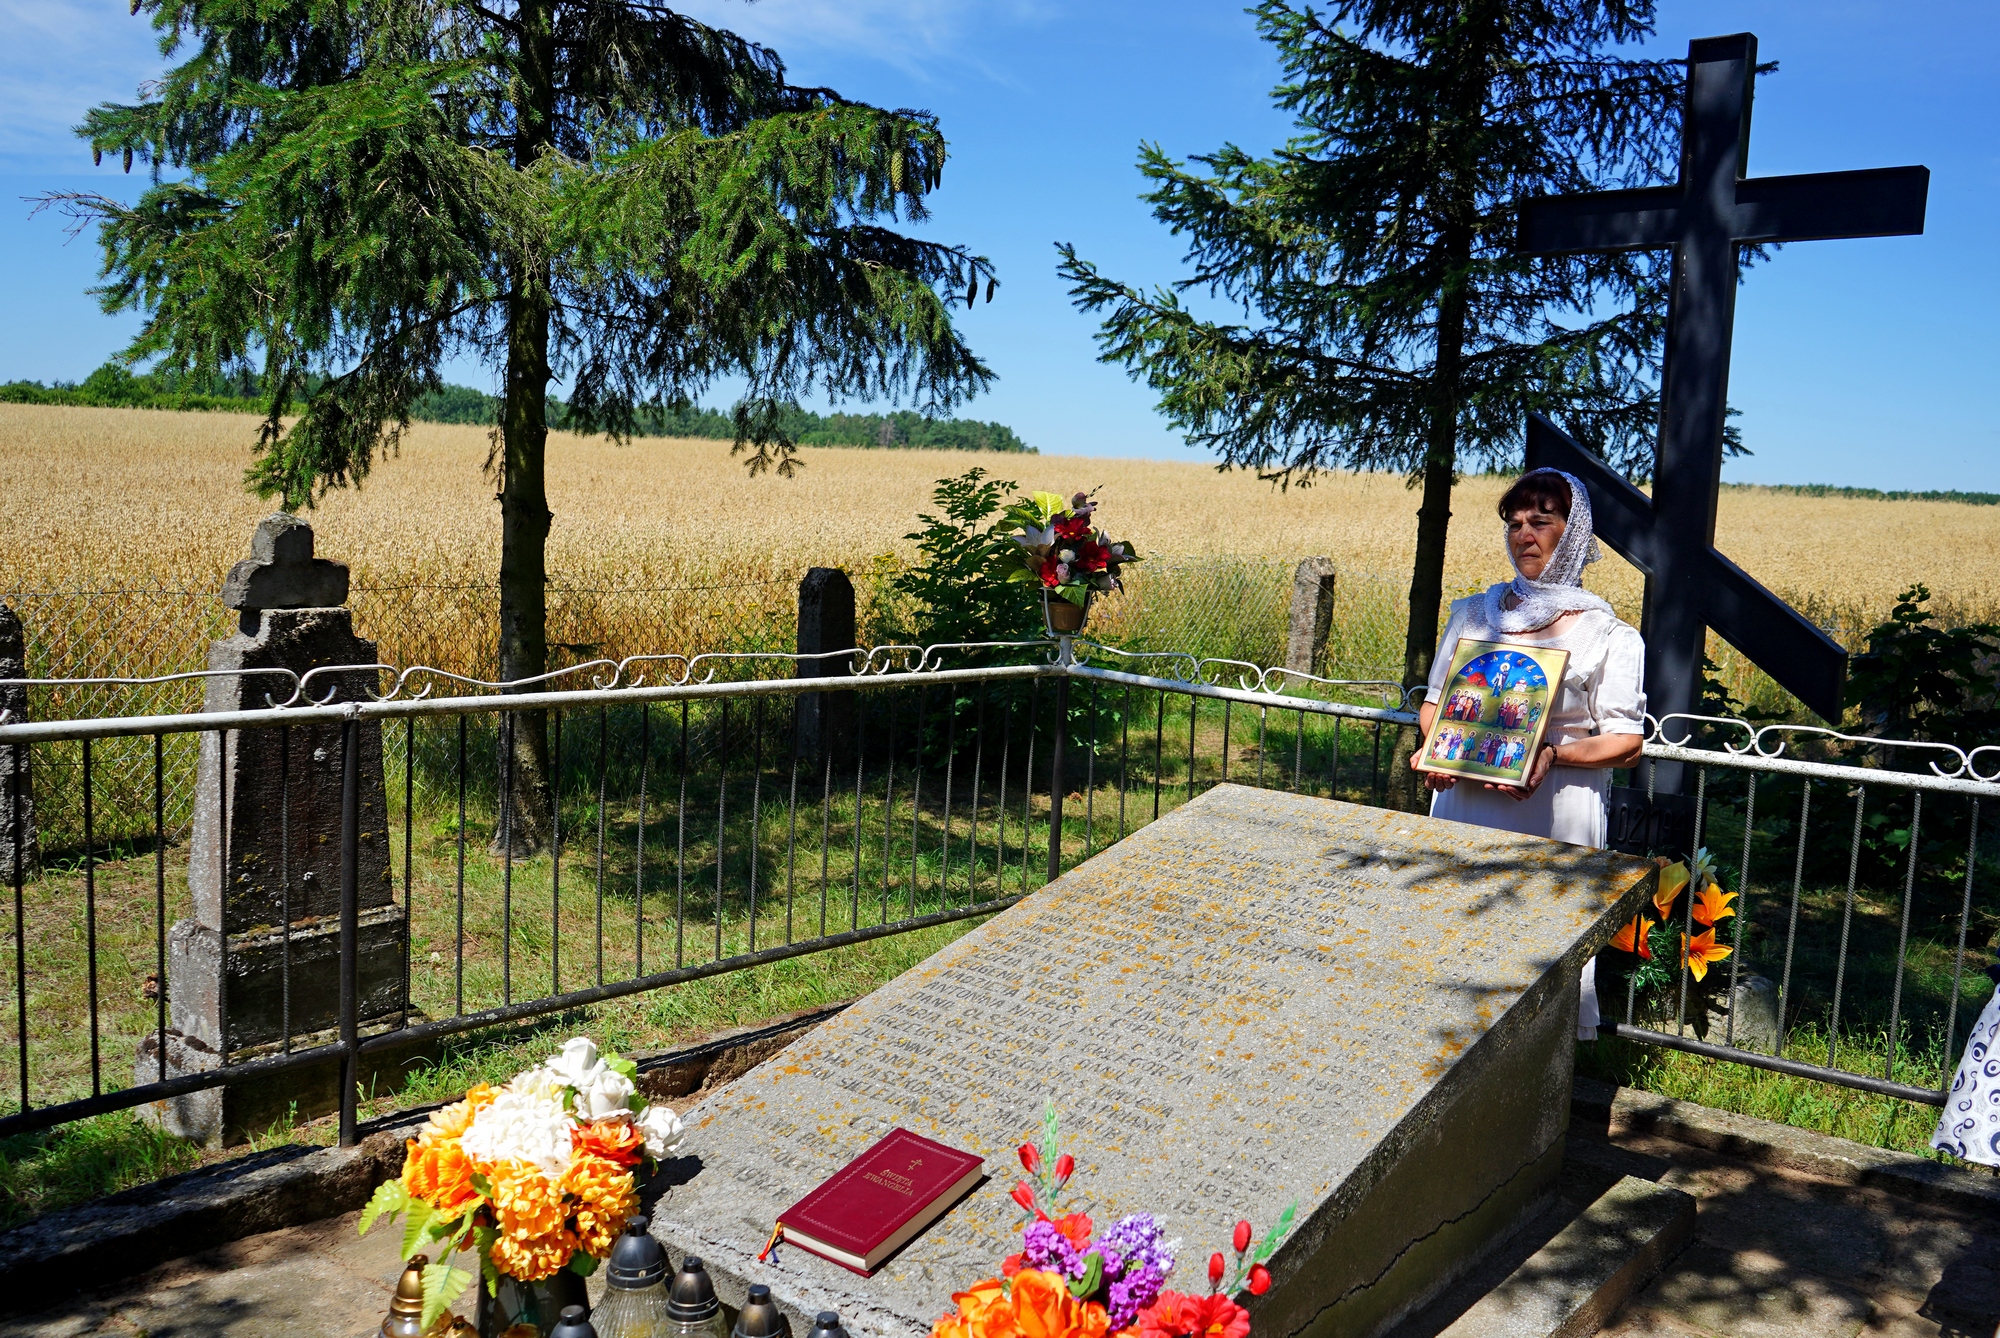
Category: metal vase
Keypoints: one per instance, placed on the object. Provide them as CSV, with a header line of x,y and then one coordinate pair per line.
x,y
1061,617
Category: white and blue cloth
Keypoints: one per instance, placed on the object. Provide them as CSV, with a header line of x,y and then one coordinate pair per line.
x,y
1970,1126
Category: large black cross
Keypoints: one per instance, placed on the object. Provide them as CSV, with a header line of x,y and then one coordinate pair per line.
x,y
1705,217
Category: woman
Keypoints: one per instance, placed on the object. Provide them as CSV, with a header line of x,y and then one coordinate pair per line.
x,y
1596,717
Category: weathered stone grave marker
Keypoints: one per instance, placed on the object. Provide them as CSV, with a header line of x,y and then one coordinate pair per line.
x,y
1260,998
1312,615
264,857
826,626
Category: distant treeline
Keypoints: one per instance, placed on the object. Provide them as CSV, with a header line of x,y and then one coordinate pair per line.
x,y
1870,494
112,386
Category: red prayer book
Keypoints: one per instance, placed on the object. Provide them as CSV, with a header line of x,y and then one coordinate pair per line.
x,y
869,1208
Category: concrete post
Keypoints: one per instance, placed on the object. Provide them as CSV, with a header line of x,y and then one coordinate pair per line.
x,y
1312,616
18,846
826,624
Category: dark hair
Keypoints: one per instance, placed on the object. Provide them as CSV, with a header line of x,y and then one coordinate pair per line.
x,y
1542,490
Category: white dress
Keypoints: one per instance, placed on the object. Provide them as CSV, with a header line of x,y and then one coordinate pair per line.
x,y
1603,692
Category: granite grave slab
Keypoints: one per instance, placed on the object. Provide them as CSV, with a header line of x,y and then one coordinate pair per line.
x,y
1261,998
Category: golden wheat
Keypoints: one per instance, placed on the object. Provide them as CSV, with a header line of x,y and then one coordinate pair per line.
x,y
115,499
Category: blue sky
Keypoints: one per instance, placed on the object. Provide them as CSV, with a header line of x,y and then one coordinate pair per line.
x,y
1856,362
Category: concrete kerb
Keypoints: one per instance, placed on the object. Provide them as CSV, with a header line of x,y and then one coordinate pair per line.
x,y
1573,1283
66,1252
1625,1110
123,1234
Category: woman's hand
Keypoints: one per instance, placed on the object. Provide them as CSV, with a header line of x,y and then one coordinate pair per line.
x,y
1426,713
1545,758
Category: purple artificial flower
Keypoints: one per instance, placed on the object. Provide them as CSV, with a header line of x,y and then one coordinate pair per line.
x,y
1045,1248
1140,1243
1131,1293
1137,1259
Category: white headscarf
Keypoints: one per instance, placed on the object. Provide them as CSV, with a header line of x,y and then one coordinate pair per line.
x,y
1560,587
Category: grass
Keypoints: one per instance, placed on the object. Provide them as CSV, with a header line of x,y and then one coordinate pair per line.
x,y
666,544
1927,1031
668,511
89,1159
510,950
684,895
80,1162
1802,1103
94,1157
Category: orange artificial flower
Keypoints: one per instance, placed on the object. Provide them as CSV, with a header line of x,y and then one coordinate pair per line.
x,y
1700,951
1673,878
1712,905
1039,1306
453,1120
1632,938
534,1259
534,1240
975,1304
1043,1308
441,1175
605,1197
1177,1316
1075,1228
614,1140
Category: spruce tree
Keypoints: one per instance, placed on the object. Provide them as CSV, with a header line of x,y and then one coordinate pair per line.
x,y
1388,323
351,192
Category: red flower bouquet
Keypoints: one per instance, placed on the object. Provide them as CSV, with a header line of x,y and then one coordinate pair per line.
x,y
1060,550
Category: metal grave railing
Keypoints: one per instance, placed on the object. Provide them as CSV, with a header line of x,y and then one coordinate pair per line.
x,y
708,814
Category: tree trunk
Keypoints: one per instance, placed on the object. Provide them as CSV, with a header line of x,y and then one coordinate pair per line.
x,y
524,821
1434,515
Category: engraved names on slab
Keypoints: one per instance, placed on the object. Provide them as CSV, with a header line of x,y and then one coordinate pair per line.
x,y
1232,1009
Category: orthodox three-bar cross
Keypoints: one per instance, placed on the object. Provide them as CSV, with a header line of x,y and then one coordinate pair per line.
x,y
1705,217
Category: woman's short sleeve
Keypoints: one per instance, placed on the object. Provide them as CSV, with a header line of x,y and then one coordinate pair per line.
x,y
1618,695
1441,662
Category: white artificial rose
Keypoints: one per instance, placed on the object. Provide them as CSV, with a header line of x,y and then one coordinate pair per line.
x,y
541,1083
662,1129
577,1062
605,1094
521,1126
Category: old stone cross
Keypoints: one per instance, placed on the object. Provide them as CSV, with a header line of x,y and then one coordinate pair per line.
x,y
1705,217
281,571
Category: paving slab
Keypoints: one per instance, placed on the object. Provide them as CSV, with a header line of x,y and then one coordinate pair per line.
x,y
316,1281
1786,1253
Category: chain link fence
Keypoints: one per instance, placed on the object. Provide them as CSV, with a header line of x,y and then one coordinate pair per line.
x,y
1222,607
1239,608
142,633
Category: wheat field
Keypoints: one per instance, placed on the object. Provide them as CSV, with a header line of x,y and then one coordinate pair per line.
x,y
142,500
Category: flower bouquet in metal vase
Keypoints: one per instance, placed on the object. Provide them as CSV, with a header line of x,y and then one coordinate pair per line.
x,y
1058,549
536,1180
